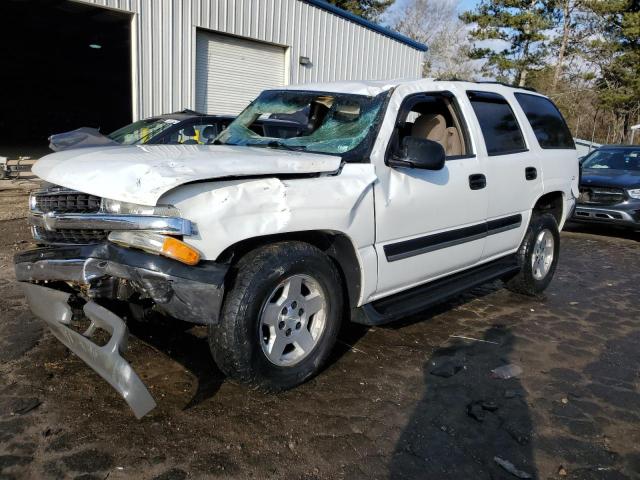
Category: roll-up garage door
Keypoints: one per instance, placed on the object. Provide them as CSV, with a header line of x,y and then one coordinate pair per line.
x,y
230,71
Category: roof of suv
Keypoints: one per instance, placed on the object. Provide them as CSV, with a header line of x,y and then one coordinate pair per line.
x,y
616,146
375,87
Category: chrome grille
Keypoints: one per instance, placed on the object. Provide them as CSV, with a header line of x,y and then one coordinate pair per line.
x,y
62,200
69,236
601,195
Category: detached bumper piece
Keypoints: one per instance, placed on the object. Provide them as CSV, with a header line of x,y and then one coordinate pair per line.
x,y
108,272
52,307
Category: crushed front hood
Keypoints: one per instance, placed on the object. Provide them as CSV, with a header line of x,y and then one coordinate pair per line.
x,y
143,173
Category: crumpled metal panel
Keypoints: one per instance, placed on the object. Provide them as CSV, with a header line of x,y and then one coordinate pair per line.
x,y
142,173
185,299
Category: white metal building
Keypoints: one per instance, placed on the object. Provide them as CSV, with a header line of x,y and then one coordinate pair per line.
x,y
216,55
104,63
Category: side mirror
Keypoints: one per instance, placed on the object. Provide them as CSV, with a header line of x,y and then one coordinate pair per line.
x,y
419,153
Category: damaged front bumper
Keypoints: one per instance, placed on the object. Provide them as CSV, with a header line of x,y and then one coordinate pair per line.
x,y
108,272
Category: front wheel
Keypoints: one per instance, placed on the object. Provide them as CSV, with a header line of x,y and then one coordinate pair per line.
x,y
280,317
538,256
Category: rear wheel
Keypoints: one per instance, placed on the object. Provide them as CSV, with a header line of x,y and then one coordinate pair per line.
x,y
538,256
280,318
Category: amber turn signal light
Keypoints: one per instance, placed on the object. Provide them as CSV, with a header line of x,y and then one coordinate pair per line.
x,y
164,245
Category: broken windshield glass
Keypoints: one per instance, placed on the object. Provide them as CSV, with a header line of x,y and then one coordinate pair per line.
x,y
331,123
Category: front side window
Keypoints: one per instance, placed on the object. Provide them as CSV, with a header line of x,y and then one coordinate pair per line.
x,y
141,131
499,126
613,159
432,117
330,123
546,120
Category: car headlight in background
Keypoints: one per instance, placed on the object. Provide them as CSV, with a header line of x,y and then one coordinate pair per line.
x,y
635,193
125,208
158,244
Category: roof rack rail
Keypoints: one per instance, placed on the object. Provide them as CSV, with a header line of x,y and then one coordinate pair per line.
x,y
531,89
455,79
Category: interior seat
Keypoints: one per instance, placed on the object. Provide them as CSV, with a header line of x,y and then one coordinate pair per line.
x,y
454,142
208,134
189,131
434,127
431,127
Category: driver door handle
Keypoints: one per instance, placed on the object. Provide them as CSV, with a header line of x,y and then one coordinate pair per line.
x,y
477,181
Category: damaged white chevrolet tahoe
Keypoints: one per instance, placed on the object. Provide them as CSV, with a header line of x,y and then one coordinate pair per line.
x,y
395,196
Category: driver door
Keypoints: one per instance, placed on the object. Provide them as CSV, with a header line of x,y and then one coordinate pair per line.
x,y
430,223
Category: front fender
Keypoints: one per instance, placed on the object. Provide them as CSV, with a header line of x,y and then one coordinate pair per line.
x,y
227,212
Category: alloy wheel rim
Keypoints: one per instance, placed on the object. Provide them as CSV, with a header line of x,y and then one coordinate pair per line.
x,y
543,253
292,320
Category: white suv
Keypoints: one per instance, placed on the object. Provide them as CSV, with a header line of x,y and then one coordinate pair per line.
x,y
395,196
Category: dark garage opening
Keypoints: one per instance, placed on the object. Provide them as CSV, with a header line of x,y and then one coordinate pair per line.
x,y
64,65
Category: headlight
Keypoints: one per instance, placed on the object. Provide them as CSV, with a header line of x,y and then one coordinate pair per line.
x,y
125,208
159,244
635,193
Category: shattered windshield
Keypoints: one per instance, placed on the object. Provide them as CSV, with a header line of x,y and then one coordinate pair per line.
x,y
330,123
141,131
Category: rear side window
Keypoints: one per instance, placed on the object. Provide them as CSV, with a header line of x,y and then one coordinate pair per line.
x,y
546,120
499,126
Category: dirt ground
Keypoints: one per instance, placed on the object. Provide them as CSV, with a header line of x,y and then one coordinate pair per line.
x,y
412,400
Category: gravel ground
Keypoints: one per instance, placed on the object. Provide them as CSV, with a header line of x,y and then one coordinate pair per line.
x,y
412,400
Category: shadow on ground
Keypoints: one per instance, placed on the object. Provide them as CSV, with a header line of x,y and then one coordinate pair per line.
x,y
466,418
187,345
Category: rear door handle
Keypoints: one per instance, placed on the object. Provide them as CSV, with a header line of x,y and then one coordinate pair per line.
x,y
530,173
477,181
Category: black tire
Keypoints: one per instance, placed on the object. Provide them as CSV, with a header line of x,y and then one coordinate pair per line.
x,y
524,281
235,342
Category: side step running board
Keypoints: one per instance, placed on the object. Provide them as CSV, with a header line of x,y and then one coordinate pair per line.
x,y
430,294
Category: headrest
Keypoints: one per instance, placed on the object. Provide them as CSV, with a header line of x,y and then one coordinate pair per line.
x,y
429,126
189,131
208,132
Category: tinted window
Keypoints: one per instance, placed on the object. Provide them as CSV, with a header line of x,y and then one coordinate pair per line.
x,y
499,126
546,120
614,159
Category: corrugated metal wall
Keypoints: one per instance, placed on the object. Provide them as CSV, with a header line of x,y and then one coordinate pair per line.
x,y
252,66
165,33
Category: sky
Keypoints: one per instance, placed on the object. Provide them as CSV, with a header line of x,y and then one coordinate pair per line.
x,y
467,5
463,5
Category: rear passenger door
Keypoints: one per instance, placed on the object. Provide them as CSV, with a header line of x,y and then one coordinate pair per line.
x,y
512,170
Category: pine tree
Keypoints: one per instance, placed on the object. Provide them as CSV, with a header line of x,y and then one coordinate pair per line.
x,y
369,9
616,52
521,27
